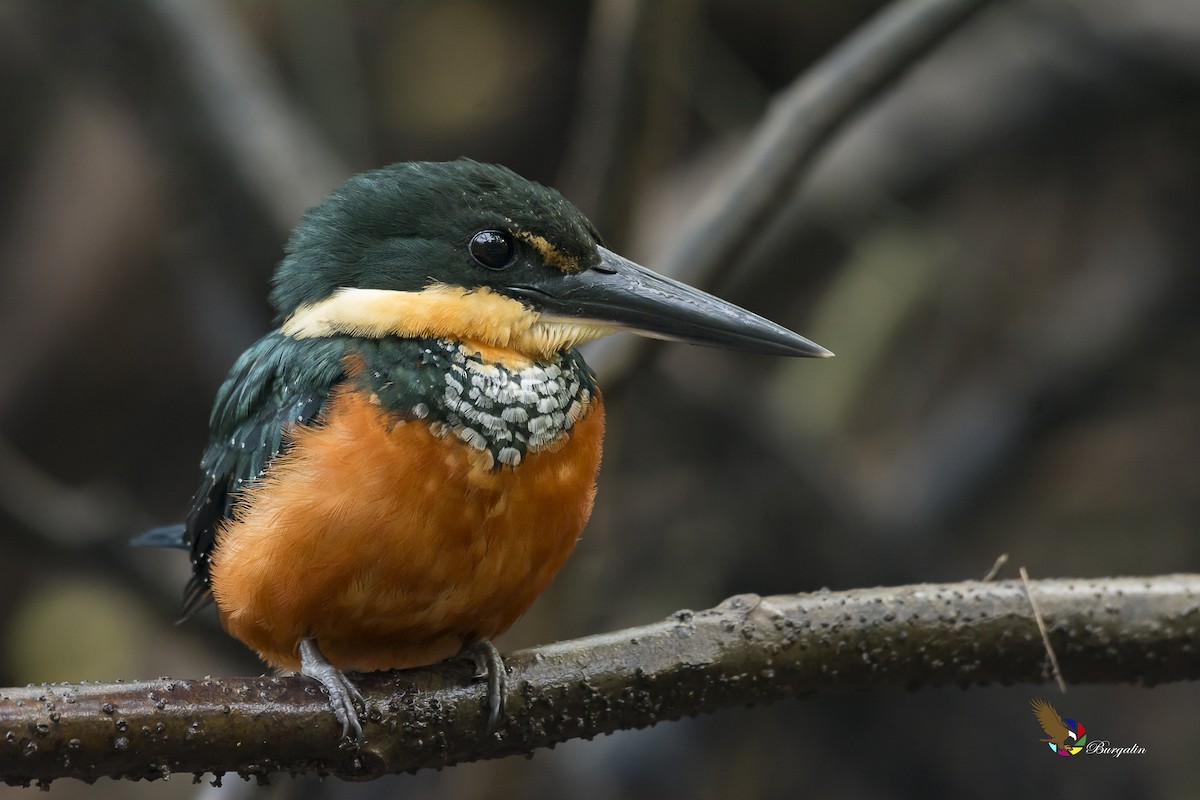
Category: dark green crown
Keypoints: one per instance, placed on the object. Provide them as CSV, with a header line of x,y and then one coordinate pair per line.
x,y
406,226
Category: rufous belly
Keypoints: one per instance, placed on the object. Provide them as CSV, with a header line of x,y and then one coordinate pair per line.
x,y
394,547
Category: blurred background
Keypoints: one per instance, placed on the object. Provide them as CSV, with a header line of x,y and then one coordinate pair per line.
x,y
1002,251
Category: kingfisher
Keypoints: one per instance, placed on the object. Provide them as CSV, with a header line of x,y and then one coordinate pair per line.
x,y
398,469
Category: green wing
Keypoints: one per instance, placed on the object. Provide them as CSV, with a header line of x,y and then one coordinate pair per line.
x,y
277,384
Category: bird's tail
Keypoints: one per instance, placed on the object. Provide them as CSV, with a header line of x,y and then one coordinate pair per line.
x,y
197,594
162,536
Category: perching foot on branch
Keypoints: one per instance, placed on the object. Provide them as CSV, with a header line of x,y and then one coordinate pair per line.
x,y
342,693
489,663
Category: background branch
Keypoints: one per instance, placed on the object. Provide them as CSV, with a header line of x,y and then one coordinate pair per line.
x,y
800,121
750,649
284,160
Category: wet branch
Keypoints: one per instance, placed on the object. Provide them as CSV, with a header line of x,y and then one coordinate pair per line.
x,y
747,650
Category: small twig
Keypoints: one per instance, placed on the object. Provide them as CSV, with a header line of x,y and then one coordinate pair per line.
x,y
991,574
1041,623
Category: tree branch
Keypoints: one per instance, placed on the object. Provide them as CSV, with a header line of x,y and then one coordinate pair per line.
x,y
747,650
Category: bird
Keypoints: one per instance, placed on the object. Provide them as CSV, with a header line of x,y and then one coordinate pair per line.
x,y
1060,736
404,463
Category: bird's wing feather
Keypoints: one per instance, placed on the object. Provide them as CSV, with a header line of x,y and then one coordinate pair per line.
x,y
277,384
1050,720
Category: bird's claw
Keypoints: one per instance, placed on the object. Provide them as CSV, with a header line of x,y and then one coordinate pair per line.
x,y
342,693
490,664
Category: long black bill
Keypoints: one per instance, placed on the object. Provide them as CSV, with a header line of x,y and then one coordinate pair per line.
x,y
621,294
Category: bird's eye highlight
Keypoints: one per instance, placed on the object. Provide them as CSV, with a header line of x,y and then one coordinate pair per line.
x,y
493,249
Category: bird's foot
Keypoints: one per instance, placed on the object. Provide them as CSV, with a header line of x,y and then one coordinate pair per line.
x,y
342,693
489,663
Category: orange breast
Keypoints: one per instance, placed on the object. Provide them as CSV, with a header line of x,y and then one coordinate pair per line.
x,y
394,547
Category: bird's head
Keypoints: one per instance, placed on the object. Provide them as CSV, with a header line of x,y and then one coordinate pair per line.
x,y
473,252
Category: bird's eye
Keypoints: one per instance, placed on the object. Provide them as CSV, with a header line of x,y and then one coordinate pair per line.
x,y
493,249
